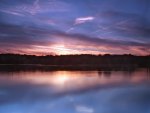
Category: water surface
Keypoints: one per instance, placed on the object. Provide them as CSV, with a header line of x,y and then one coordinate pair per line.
x,y
75,92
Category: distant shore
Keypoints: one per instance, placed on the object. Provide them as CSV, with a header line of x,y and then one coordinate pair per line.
x,y
14,62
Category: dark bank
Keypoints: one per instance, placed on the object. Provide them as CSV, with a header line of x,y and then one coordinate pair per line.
x,y
72,62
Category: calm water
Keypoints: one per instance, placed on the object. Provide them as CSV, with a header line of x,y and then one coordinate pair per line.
x,y
75,92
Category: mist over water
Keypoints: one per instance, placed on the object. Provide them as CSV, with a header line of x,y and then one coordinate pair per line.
x,y
75,91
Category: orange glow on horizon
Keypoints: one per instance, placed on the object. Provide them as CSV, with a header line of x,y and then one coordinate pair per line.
x,y
61,50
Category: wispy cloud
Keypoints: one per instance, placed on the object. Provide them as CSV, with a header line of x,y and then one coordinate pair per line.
x,y
84,109
12,37
81,20
12,12
99,28
37,7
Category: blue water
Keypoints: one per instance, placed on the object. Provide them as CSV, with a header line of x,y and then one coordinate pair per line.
x,y
75,92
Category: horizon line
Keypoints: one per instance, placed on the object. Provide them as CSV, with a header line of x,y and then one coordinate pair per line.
x,y
72,54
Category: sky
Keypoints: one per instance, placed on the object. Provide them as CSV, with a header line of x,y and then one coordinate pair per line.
x,y
44,27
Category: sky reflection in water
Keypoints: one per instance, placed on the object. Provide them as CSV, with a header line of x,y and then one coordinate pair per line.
x,y
75,92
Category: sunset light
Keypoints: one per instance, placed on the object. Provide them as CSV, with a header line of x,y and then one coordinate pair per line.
x,y
61,79
62,26
61,50
74,56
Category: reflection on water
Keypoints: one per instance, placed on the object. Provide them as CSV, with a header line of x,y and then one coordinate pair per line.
x,y
75,92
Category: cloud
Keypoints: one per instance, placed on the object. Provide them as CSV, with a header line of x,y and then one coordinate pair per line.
x,y
83,43
84,109
95,40
12,12
28,39
34,7
22,39
127,25
82,20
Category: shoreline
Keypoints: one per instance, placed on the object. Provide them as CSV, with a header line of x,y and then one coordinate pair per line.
x,y
41,67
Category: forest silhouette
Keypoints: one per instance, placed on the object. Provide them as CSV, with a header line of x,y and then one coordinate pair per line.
x,y
73,62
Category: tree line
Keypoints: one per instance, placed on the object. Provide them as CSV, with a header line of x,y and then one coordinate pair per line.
x,y
80,61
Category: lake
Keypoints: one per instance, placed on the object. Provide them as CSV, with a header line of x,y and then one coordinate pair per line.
x,y
75,91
